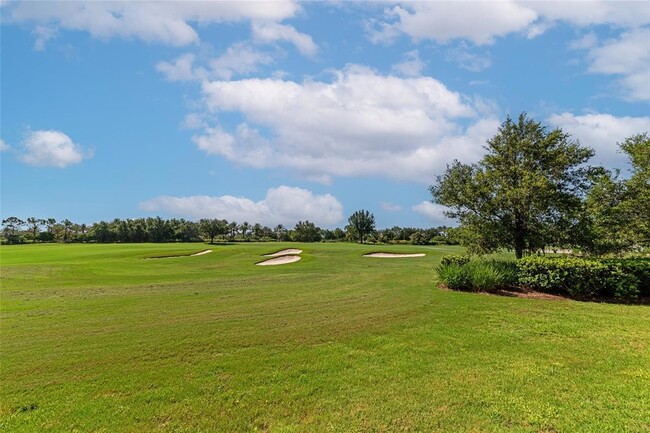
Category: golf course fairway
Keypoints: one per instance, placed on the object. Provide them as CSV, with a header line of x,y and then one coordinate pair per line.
x,y
96,338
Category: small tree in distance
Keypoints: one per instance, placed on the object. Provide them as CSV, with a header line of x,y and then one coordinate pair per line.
x,y
306,231
212,227
361,224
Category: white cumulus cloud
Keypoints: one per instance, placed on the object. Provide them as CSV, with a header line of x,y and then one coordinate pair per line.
x,y
166,22
42,35
433,212
269,32
361,123
601,132
467,60
410,66
4,146
51,149
238,59
628,57
481,22
283,205
181,69
587,13
390,207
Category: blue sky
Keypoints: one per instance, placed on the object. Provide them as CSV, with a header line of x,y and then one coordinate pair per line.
x,y
275,112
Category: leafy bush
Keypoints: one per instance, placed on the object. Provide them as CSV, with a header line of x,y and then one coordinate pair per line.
x,y
457,259
624,279
483,275
461,273
454,276
639,268
509,273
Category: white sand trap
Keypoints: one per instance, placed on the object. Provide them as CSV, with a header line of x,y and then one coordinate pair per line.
x,y
284,252
282,260
176,256
200,253
393,255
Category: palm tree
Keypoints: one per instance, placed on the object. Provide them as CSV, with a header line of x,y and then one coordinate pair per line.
x,y
244,229
233,229
257,231
279,231
67,227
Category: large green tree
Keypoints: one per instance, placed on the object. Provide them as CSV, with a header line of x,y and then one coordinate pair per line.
x,y
361,224
619,209
524,194
211,228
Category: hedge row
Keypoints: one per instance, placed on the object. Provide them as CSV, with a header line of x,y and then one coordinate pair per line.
x,y
623,279
586,278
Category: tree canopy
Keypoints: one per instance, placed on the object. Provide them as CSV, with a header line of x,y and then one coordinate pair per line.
x,y
306,231
524,194
360,225
619,209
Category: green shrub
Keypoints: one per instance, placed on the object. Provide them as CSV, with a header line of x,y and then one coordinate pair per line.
x,y
509,273
623,279
457,259
461,273
454,276
639,268
483,275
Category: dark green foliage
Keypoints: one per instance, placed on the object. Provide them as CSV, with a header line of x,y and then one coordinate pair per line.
x,y
580,278
361,224
509,274
419,238
45,237
457,259
639,268
526,192
306,231
624,279
11,228
210,228
483,275
619,209
454,276
458,272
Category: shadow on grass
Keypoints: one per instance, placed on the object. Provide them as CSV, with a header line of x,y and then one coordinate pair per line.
x,y
532,294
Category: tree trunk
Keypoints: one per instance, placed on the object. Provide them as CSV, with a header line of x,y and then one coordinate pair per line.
x,y
519,237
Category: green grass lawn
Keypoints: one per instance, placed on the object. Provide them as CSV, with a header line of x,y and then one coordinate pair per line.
x,y
94,338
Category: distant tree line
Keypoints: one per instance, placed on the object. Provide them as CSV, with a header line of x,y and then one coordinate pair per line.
x,y
361,228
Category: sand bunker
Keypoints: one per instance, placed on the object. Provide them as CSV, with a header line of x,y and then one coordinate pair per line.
x,y
281,260
200,253
393,255
175,256
281,257
284,252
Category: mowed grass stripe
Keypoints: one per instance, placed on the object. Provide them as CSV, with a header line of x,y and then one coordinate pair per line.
x,y
335,342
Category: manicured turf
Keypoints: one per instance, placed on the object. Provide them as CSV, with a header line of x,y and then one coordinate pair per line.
x,y
95,338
